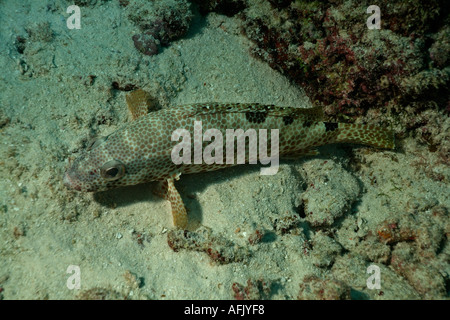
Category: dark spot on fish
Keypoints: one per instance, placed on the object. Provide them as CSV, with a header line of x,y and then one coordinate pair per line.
x,y
330,126
307,124
287,120
256,117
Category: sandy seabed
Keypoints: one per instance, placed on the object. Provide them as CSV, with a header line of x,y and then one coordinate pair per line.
x,y
250,236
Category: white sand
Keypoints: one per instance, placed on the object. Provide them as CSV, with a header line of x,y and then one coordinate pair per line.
x,y
44,228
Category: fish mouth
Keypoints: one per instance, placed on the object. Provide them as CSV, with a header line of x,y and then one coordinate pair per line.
x,y
69,183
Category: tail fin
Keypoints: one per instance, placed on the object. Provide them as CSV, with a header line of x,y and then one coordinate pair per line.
x,y
366,134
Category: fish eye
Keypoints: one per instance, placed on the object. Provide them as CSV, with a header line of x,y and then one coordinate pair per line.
x,y
112,170
95,142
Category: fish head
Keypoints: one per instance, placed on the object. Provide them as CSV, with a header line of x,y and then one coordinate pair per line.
x,y
96,169
120,159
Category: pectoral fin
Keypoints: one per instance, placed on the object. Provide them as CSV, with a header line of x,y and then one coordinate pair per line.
x,y
166,189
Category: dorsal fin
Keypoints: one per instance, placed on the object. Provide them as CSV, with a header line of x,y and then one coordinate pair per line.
x,y
313,114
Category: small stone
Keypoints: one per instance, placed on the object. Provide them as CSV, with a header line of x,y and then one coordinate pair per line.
x,y
145,43
331,192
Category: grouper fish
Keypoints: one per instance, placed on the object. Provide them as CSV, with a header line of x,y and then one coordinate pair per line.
x,y
143,150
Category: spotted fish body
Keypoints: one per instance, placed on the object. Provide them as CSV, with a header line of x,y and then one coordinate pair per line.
x,y
141,151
